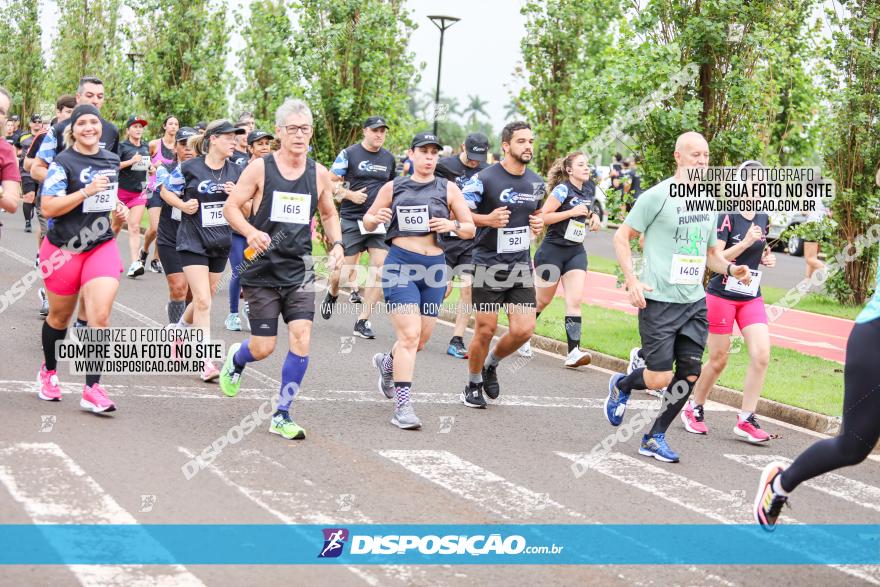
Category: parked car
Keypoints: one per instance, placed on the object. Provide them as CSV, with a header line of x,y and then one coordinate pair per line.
x,y
779,223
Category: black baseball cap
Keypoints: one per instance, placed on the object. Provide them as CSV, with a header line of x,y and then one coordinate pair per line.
x,y
14,118
135,120
184,133
201,125
223,128
425,138
257,135
35,117
476,146
375,122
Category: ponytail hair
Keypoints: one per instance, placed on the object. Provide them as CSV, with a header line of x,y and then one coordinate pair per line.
x,y
67,136
559,170
200,143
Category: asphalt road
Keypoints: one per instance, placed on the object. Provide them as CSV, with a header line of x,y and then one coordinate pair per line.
x,y
510,463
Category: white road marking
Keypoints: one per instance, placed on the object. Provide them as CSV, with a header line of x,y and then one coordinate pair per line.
x,y
53,489
314,506
833,484
473,483
723,507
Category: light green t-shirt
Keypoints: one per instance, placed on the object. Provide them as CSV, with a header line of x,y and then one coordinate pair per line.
x,y
676,241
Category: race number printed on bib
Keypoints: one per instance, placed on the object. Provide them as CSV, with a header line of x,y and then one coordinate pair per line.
x,y
687,269
102,201
175,214
141,165
212,214
290,207
413,218
378,230
513,240
736,286
576,231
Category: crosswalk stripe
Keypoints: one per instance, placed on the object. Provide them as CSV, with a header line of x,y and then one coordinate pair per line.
x,y
832,484
472,482
53,489
310,506
725,508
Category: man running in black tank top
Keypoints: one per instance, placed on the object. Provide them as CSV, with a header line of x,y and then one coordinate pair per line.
x,y
366,166
458,251
505,199
285,188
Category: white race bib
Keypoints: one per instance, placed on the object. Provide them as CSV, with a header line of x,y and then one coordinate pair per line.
x,y
378,230
513,240
736,286
576,231
687,269
102,201
142,165
175,213
290,208
413,218
212,214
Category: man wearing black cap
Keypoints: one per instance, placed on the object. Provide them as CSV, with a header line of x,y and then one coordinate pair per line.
x,y
28,186
201,126
13,129
458,252
365,167
259,143
240,155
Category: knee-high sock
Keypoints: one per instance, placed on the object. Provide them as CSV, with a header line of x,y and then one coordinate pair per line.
x,y
243,356
50,336
573,332
292,373
674,399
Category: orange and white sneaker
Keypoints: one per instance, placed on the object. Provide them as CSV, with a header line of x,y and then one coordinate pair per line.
x,y
768,504
210,372
48,387
94,399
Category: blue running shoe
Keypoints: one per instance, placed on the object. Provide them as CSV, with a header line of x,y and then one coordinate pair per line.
x,y
456,348
654,445
615,403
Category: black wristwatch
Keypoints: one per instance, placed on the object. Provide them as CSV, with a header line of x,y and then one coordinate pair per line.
x,y
728,269
340,243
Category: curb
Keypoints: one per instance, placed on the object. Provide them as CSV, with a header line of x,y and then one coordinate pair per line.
x,y
724,395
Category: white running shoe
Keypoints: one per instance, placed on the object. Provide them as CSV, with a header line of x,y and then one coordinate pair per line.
x,y
526,350
578,358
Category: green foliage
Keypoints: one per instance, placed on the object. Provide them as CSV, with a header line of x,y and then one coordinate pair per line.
x,y
182,71
21,57
267,64
350,59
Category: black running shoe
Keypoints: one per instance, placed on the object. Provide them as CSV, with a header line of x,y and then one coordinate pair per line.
x,y
143,257
155,266
27,226
490,382
472,396
355,297
363,329
327,306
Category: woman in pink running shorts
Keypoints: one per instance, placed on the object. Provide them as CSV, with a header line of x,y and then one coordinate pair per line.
x,y
79,254
742,238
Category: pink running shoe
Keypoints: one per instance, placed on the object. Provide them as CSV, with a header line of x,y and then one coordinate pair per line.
x,y
94,399
210,372
692,417
750,430
48,387
177,343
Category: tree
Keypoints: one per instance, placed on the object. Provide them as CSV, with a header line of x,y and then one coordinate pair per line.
x,y
89,41
476,107
267,65
352,60
183,68
853,142
21,56
565,42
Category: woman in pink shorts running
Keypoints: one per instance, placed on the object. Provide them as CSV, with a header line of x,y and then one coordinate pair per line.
x,y
742,239
135,162
79,254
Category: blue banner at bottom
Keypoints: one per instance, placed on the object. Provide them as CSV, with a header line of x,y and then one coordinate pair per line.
x,y
439,544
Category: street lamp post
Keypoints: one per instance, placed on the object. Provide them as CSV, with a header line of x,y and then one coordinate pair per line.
x,y
442,23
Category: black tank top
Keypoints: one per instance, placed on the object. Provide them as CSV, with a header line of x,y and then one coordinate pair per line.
x,y
285,214
575,227
166,152
169,216
413,204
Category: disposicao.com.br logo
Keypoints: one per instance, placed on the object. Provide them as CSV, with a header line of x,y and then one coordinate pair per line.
x,y
430,544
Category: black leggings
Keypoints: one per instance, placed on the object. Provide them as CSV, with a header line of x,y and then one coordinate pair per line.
x,y
861,412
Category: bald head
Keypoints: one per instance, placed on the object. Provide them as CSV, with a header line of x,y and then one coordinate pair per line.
x,y
691,150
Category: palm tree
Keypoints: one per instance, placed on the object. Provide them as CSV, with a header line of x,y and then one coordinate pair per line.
x,y
511,110
476,106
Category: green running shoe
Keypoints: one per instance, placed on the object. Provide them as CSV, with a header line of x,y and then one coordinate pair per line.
x,y
282,425
230,381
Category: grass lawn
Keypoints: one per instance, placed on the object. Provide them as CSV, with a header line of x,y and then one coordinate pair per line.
x,y
795,379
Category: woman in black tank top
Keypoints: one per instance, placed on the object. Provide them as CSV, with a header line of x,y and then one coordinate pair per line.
x,y
414,276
